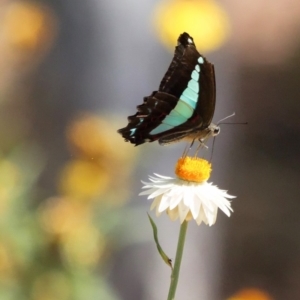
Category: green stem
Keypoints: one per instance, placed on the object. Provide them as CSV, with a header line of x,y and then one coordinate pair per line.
x,y
179,252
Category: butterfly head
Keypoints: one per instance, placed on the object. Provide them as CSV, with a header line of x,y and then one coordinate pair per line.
x,y
215,129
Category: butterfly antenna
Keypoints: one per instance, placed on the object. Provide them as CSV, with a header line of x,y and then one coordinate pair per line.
x,y
219,123
238,123
233,114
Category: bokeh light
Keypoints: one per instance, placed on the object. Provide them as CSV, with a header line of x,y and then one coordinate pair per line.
x,y
204,20
27,33
28,26
83,179
61,216
251,294
83,247
98,165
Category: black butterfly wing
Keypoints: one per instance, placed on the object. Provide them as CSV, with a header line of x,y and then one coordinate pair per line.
x,y
149,116
207,97
175,82
176,110
197,126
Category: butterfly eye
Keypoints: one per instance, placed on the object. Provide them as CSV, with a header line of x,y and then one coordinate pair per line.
x,y
216,131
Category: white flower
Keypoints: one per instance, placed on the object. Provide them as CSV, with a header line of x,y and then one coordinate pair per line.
x,y
186,199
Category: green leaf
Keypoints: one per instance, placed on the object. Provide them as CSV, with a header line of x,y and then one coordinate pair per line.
x,y
163,255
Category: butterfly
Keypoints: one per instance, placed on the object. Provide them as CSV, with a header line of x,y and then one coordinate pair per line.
x,y
183,106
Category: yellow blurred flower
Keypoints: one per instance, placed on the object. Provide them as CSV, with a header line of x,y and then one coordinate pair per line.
x,y
51,286
28,25
7,263
251,294
83,247
88,134
83,179
95,137
204,20
70,223
99,153
60,216
27,32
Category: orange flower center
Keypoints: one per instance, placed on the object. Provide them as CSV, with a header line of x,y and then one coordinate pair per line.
x,y
193,169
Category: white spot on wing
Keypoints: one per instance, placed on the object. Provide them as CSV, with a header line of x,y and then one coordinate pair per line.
x,y
200,60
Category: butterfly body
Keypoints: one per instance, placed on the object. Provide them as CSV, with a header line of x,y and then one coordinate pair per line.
x,y
184,104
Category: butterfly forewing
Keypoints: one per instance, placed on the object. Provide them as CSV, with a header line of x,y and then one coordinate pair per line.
x,y
207,101
179,72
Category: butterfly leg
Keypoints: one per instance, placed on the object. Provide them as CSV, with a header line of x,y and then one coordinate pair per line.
x,y
188,148
201,145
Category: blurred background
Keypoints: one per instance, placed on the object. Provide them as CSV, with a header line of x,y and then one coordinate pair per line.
x,y
72,225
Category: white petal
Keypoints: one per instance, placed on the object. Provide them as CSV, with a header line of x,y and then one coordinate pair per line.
x,y
205,201
175,200
161,176
219,200
201,217
159,184
158,192
187,196
211,215
192,201
195,206
173,213
224,205
164,203
183,211
157,213
155,202
148,192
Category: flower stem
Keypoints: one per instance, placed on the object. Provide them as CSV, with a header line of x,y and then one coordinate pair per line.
x,y
179,252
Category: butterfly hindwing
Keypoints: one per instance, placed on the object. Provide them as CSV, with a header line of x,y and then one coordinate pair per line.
x,y
184,103
149,116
